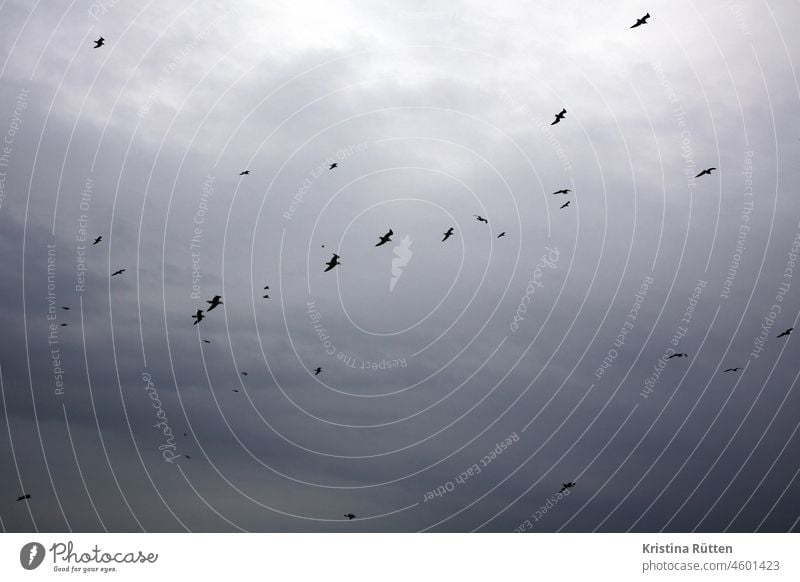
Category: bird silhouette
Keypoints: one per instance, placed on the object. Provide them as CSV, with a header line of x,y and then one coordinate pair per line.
x,y
317,371
350,515
332,263
732,370
265,297
333,165
65,307
559,116
64,325
244,373
501,234
234,390
115,273
565,486
244,173
97,240
215,301
480,218
205,341
706,172
641,21
677,356
23,497
266,286
198,317
562,191
385,238
448,234
787,332
99,42
565,204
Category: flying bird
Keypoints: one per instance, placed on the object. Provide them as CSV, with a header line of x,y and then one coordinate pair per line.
x,y
99,42
118,272
65,307
565,204
333,165
559,116
501,234
23,497
244,373
706,172
332,263
215,301
266,287
235,390
265,297
350,515
385,238
562,191
198,317
677,356
244,173
787,332
97,240
480,218
732,370
565,486
205,342
641,21
64,325
448,234
317,371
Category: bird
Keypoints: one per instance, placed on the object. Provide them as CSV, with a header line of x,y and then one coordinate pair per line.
x,y
97,240
333,165
99,42
559,116
198,317
501,234
480,218
65,307
118,272
215,301
641,21
186,435
385,238
317,371
448,234
266,287
244,373
23,497
677,356
565,204
265,297
562,191
206,341
787,332
64,325
350,515
706,172
244,173
235,390
332,263
565,486
732,370
187,456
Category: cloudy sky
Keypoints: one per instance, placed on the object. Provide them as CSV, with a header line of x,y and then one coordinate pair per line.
x,y
462,382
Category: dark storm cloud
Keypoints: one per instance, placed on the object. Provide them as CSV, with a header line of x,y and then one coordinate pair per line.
x,y
433,115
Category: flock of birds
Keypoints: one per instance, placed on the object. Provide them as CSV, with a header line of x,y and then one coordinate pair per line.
x,y
334,262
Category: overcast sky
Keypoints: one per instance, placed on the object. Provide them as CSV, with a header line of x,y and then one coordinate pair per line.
x,y
462,382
